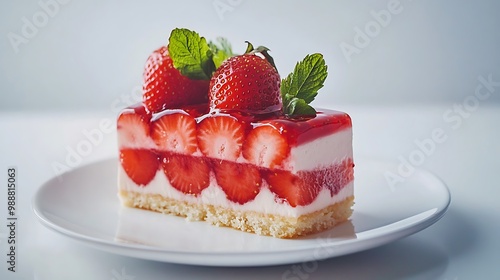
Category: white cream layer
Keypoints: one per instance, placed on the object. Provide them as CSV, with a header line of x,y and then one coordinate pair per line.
x,y
321,152
265,201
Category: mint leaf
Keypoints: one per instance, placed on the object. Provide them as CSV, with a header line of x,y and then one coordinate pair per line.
x,y
301,86
222,50
307,78
191,54
299,107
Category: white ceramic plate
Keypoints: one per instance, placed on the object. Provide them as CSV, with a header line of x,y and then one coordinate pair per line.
x,y
83,204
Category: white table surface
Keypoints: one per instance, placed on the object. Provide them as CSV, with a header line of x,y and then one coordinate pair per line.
x,y
464,244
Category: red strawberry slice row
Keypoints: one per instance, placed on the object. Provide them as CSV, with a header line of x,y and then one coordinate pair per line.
x,y
140,165
247,83
240,182
165,87
133,130
221,137
175,133
265,146
291,188
187,174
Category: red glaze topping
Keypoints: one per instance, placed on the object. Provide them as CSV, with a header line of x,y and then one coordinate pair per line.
x,y
302,130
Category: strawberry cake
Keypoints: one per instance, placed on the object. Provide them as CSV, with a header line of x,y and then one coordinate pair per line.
x,y
222,138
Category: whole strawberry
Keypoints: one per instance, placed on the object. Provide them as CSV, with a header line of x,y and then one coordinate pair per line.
x,y
247,83
165,87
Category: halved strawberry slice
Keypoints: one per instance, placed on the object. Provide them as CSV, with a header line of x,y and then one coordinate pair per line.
x,y
133,130
291,188
175,133
266,146
188,174
139,164
240,182
221,137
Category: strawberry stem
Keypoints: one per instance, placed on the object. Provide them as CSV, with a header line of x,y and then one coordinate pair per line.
x,y
249,47
262,50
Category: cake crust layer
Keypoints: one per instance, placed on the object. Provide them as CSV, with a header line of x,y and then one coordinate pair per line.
x,y
248,221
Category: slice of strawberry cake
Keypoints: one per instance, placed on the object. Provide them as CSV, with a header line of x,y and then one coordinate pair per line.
x,y
220,137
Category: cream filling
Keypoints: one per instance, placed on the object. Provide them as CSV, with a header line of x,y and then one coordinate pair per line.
x,y
264,202
321,152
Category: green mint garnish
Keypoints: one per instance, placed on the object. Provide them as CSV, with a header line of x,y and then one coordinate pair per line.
x,y
299,107
300,88
221,51
191,54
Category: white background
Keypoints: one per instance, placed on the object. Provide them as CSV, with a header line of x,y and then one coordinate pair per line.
x,y
418,74
86,54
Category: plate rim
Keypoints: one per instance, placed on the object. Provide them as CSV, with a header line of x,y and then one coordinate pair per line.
x,y
375,239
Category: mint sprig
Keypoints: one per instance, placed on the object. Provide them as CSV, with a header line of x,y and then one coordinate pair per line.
x,y
301,86
221,50
191,54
